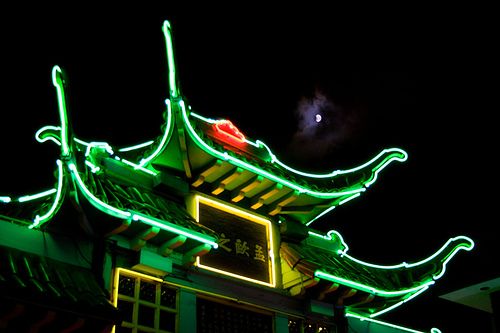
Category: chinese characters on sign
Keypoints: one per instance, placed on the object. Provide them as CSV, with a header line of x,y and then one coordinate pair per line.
x,y
243,244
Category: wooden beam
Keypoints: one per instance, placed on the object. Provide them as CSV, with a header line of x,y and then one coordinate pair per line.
x,y
140,240
190,257
168,247
349,292
259,199
208,171
239,193
300,289
282,202
227,179
329,288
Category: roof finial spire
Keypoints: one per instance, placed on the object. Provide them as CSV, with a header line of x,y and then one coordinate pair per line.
x,y
172,78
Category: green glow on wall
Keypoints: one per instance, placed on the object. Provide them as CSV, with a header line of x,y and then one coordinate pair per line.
x,y
383,323
40,220
174,228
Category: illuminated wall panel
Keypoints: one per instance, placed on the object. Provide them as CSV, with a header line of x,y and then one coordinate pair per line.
x,y
245,242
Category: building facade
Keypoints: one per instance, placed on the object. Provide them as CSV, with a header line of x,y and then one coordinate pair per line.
x,y
199,230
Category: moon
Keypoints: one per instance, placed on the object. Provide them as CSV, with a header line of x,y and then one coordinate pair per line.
x,y
318,118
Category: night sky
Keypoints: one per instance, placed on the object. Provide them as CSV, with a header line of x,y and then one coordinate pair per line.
x,y
422,85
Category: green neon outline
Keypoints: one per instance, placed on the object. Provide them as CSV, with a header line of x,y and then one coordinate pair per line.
x,y
92,166
326,211
164,139
136,216
30,197
247,166
466,244
398,304
5,199
349,199
50,137
139,146
129,214
98,144
138,167
167,32
395,154
40,220
384,293
57,81
383,323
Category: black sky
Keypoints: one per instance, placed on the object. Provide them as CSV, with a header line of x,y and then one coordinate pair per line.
x,y
420,84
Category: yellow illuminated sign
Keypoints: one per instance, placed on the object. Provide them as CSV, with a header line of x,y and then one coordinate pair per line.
x,y
245,242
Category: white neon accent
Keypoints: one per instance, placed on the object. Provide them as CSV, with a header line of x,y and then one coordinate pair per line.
x,y
102,145
326,211
138,167
5,199
92,167
142,145
36,196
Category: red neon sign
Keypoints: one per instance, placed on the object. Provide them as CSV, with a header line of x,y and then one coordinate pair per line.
x,y
227,132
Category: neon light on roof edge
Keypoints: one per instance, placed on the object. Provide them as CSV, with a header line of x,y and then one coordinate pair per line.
x,y
261,172
136,216
467,244
369,289
396,154
164,139
40,220
383,323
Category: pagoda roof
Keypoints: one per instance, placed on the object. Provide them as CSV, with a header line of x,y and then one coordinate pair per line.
x,y
139,192
364,288
217,159
67,293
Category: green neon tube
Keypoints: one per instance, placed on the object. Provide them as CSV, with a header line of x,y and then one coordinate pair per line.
x,y
174,228
369,289
58,82
39,220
